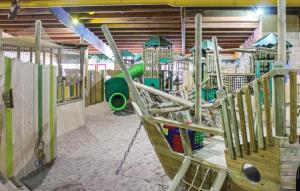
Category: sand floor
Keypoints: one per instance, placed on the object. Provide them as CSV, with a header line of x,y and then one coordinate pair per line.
x,y
88,157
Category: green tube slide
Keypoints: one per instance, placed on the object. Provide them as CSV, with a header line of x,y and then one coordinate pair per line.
x,y
135,71
116,88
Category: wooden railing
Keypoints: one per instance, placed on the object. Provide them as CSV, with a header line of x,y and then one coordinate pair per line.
x,y
252,119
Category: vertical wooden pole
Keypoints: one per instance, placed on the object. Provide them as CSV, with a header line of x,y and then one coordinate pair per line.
x,y
182,20
293,107
242,122
227,128
248,101
31,55
38,36
217,63
279,89
51,56
44,57
198,55
258,116
19,52
281,24
182,117
60,81
235,127
267,110
1,43
82,60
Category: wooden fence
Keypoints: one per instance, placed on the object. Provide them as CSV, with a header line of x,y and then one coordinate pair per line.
x,y
95,87
28,124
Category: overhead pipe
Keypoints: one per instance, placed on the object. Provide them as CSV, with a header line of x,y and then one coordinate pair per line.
x,y
6,4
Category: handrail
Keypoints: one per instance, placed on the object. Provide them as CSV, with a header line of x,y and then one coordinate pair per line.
x,y
194,127
251,125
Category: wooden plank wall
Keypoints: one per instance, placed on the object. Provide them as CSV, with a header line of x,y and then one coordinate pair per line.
x,y
289,163
24,127
95,91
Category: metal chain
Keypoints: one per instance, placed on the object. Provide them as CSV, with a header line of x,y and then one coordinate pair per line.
x,y
128,149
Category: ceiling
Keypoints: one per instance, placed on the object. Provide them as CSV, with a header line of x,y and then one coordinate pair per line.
x,y
132,25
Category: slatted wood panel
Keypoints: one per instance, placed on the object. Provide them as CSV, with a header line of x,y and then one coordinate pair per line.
x,y
25,117
151,58
96,88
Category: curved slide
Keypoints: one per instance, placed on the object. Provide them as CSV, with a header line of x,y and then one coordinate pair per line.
x,y
116,88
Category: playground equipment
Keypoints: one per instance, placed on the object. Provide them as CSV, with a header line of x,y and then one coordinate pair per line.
x,y
247,153
116,88
155,49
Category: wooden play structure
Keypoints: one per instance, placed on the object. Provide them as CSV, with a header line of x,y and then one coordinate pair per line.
x,y
155,49
257,146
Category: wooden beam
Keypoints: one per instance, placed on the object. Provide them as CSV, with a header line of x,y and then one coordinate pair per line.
x,y
180,173
192,3
177,26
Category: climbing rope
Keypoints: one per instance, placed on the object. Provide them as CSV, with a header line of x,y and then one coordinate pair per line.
x,y
128,149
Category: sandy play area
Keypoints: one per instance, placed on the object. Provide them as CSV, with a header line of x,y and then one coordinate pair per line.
x,y
88,157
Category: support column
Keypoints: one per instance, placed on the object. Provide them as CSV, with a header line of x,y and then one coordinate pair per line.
x,y
182,20
198,63
38,35
279,87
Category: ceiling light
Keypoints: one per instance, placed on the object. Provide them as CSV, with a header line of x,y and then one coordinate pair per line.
x,y
75,21
259,12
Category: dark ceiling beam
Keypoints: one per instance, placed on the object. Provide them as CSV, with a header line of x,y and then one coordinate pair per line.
x,y
167,19
30,17
27,11
26,26
177,26
173,31
123,14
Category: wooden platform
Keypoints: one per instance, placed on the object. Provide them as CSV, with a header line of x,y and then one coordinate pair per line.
x,y
213,151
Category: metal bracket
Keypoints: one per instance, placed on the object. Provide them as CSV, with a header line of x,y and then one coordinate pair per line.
x,y
8,99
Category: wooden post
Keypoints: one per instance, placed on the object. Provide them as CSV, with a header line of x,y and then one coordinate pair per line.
x,y
242,122
19,52
180,173
217,63
51,56
267,110
279,89
293,107
134,92
234,124
38,36
182,118
258,116
1,43
248,101
228,134
182,21
198,63
44,57
82,63
31,55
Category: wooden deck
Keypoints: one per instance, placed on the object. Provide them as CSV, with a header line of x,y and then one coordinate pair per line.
x,y
213,151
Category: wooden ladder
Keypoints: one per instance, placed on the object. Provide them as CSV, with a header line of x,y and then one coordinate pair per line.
x,y
216,186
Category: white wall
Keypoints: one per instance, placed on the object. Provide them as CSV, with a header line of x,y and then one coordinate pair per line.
x,y
70,116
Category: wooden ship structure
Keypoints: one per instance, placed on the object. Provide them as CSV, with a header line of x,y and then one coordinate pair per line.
x,y
257,146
